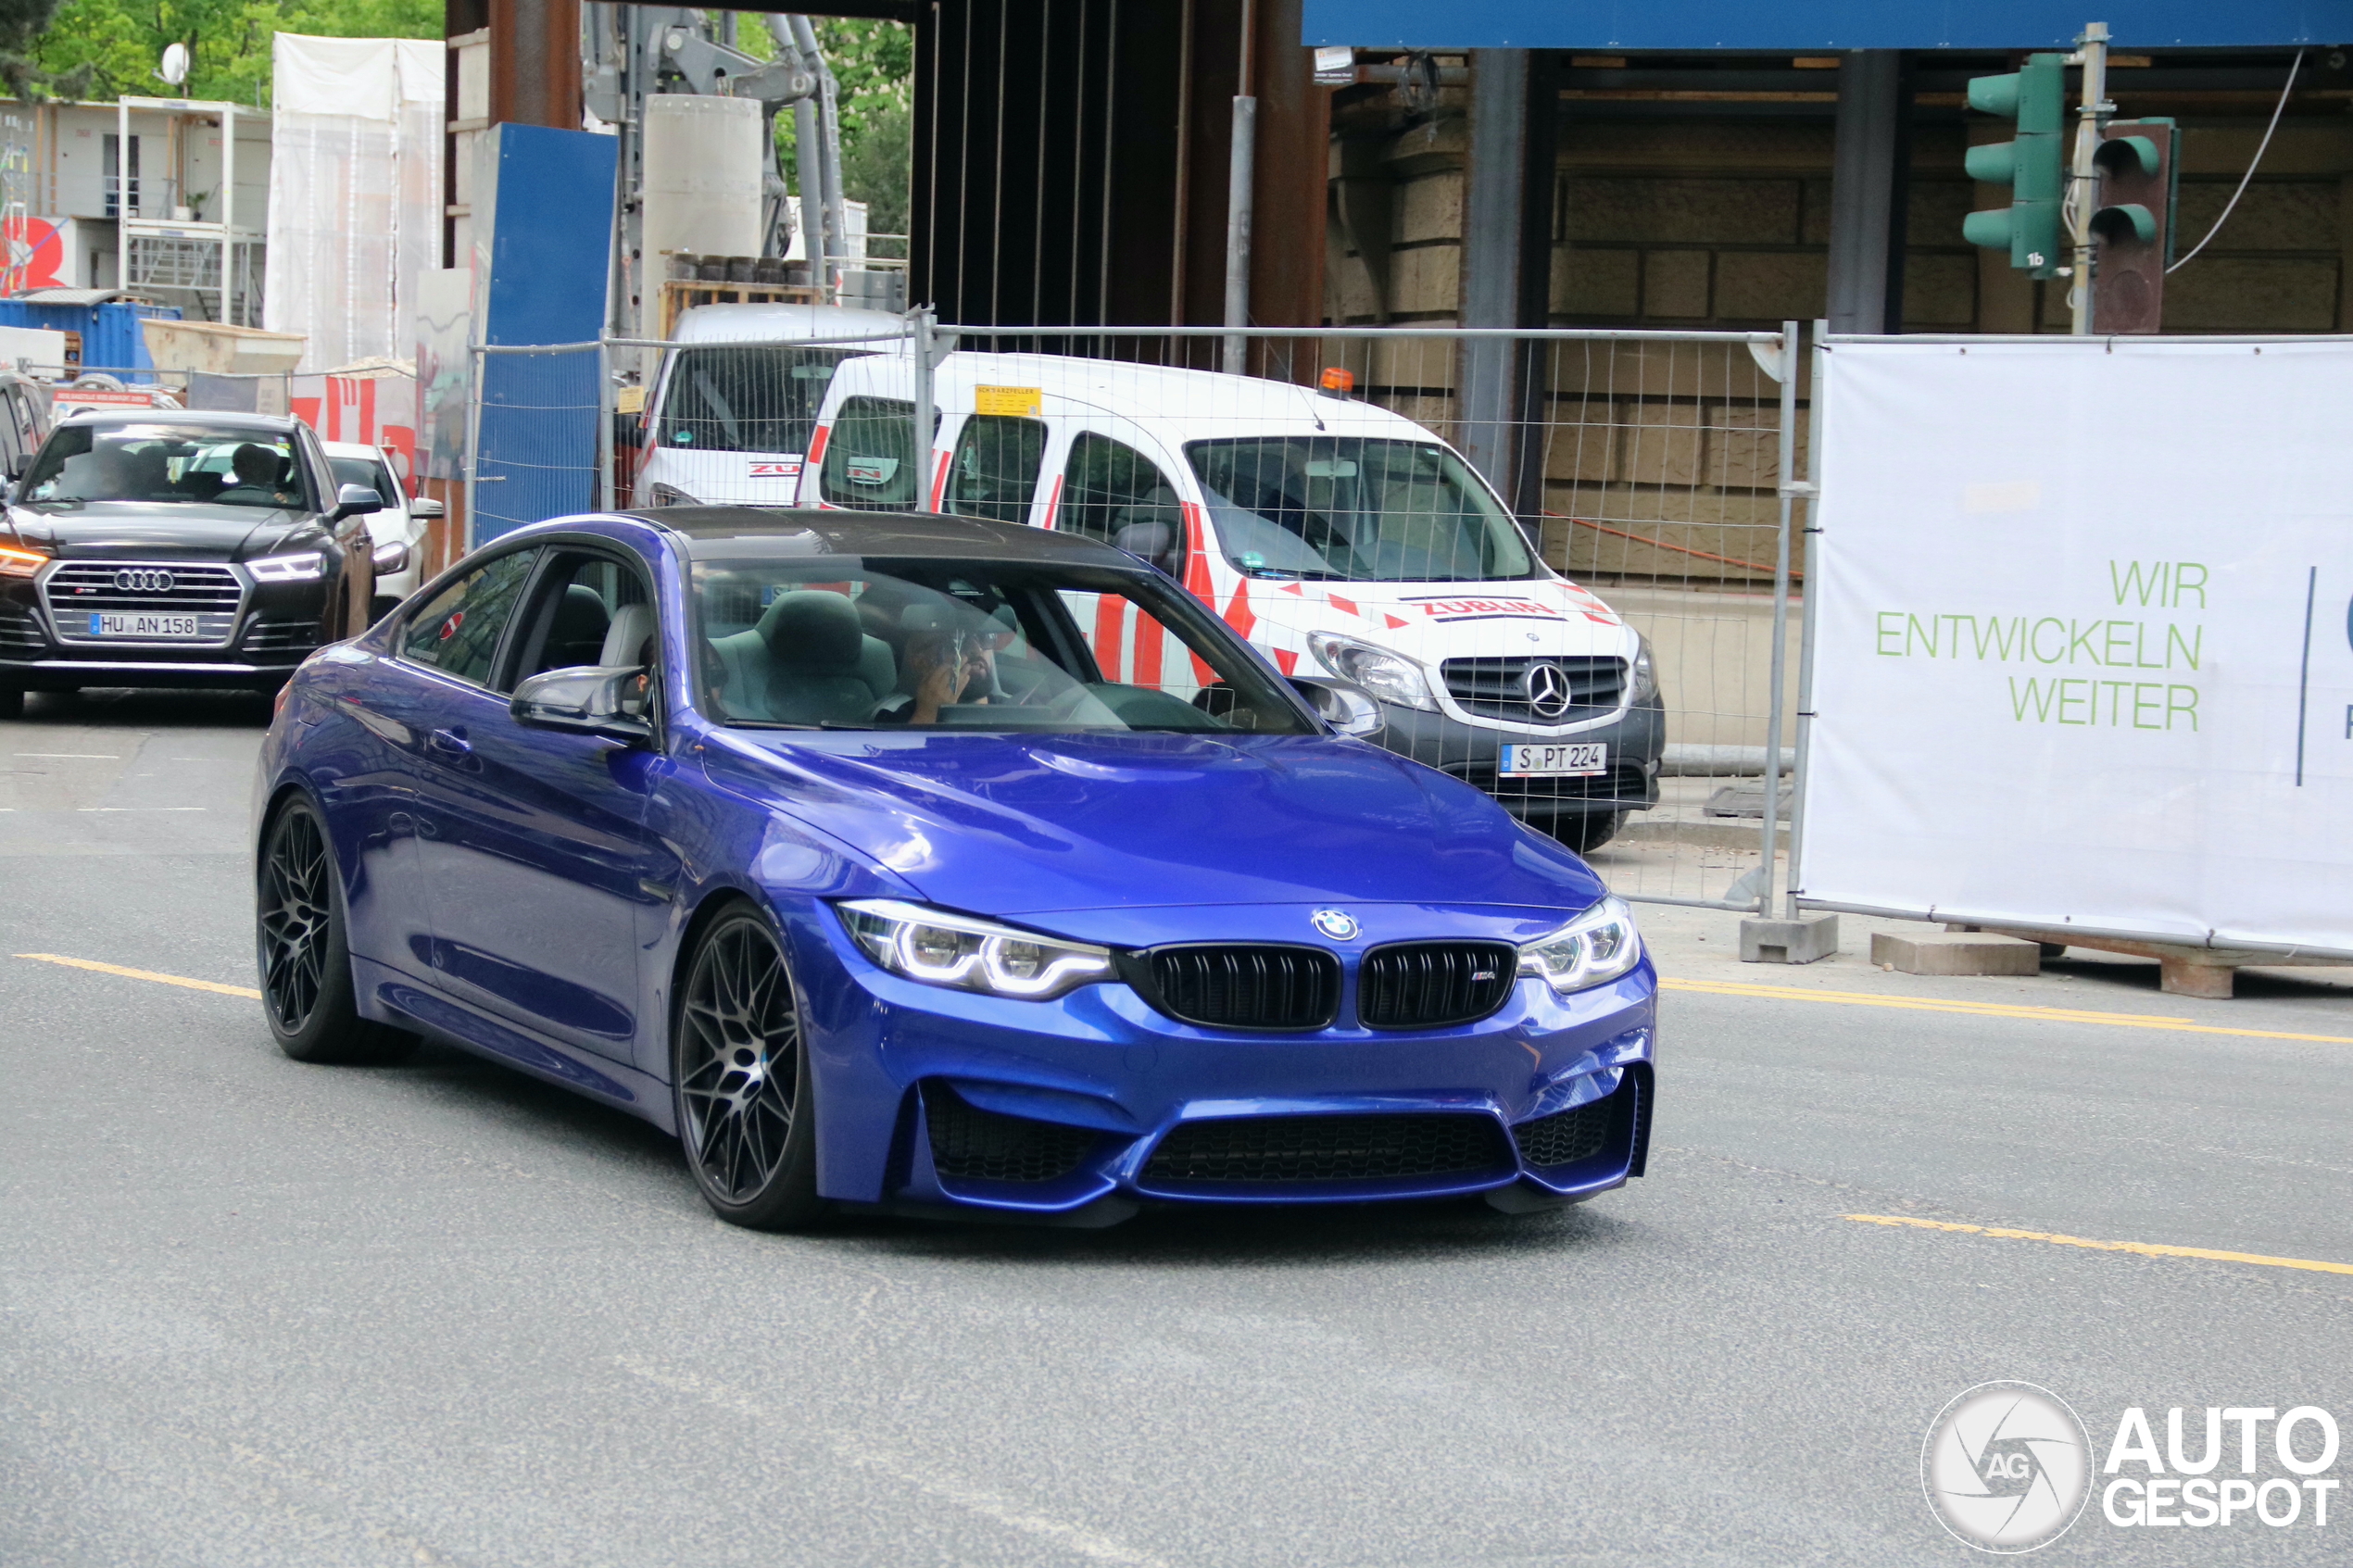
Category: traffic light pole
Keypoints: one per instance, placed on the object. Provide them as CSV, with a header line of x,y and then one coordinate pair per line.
x,y
2083,184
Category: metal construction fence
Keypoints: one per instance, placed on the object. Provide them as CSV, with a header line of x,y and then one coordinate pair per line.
x,y
1643,712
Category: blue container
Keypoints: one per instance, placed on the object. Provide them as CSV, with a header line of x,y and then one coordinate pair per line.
x,y
110,336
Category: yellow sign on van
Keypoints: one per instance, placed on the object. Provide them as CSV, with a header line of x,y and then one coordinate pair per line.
x,y
1011,402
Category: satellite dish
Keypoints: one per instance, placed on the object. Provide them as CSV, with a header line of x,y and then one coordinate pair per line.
x,y
175,64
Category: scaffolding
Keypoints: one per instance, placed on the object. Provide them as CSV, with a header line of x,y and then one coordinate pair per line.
x,y
170,245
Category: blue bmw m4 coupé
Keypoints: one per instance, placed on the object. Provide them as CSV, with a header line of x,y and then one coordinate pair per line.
x,y
934,864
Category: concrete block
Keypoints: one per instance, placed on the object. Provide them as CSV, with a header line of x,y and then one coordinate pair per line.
x,y
1955,952
1803,940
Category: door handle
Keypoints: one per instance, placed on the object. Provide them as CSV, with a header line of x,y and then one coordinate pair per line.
x,y
452,742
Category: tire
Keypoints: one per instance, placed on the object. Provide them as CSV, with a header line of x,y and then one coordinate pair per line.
x,y
1588,833
305,959
739,1074
11,702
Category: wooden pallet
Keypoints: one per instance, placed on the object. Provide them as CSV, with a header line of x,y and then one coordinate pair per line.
x,y
681,295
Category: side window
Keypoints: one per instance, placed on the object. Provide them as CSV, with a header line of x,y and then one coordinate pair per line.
x,y
12,449
590,610
995,471
870,460
458,631
1113,493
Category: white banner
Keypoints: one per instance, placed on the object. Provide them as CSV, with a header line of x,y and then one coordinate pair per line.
x,y
2085,638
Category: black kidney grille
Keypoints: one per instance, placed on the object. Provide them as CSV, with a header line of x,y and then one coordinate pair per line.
x,y
1373,1147
1431,984
1566,1137
1242,985
968,1143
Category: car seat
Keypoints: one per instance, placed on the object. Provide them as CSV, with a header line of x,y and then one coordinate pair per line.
x,y
808,661
576,632
625,643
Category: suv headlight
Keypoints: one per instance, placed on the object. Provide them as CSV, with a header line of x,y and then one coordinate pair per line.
x,y
1599,944
298,566
1389,676
940,949
18,561
1645,674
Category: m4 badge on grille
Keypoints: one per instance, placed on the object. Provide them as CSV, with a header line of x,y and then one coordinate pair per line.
x,y
1338,925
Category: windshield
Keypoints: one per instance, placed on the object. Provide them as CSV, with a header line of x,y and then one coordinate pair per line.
x,y
368,473
219,464
984,646
1343,507
746,397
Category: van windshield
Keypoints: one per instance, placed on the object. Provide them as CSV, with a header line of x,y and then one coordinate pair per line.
x,y
746,397
1348,509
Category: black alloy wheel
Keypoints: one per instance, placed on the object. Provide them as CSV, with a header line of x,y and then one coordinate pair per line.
x,y
741,1072
307,990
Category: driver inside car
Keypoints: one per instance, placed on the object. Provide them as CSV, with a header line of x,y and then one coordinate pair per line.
x,y
942,669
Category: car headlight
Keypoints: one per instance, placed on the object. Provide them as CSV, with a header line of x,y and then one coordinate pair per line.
x,y
390,557
1645,675
1599,944
671,495
940,949
299,566
1389,676
18,561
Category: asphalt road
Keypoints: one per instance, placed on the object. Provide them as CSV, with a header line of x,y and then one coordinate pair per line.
x,y
253,1313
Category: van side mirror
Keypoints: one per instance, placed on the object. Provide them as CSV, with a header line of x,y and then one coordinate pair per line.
x,y
584,699
1346,708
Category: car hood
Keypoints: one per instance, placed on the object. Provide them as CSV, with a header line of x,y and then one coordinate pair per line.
x,y
1029,825
1434,621
173,530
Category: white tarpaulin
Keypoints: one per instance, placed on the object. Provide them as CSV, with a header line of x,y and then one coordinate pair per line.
x,y
2085,638
354,192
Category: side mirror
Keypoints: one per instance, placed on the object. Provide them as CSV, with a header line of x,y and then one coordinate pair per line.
x,y
586,699
357,501
1348,709
424,507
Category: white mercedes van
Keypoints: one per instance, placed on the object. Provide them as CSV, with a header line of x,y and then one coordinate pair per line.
x,y
731,407
1340,538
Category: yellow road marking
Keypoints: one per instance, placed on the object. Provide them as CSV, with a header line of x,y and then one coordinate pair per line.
x,y
2146,1249
1989,1010
146,974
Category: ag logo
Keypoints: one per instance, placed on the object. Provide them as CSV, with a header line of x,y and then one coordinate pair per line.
x,y
1338,925
2006,1467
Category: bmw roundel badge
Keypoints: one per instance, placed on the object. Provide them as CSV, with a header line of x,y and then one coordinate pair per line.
x,y
1338,925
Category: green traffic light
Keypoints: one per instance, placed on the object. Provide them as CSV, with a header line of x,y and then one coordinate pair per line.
x,y
2033,166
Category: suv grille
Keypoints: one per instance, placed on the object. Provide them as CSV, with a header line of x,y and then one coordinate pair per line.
x,y
273,636
968,1143
1240,985
18,631
78,590
1566,1137
1498,688
1429,985
1372,1147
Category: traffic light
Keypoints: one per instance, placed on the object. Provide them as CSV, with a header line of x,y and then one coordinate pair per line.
x,y
2033,167
2133,220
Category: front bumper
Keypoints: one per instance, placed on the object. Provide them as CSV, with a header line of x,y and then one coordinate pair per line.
x,y
275,627
1096,1101
1636,738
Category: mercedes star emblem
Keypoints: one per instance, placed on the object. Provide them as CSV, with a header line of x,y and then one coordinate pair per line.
x,y
1547,690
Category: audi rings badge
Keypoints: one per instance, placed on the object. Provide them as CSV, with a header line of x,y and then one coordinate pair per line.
x,y
143,582
1548,691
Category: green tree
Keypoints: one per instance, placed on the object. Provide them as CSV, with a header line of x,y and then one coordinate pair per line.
x,y
874,66
113,45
